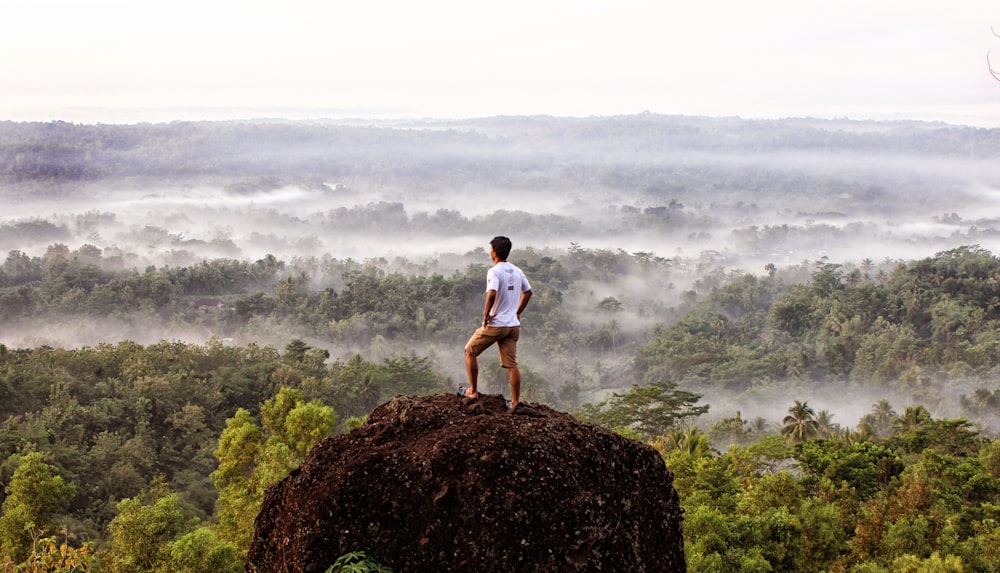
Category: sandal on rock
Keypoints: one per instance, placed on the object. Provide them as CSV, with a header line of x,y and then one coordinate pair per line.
x,y
523,409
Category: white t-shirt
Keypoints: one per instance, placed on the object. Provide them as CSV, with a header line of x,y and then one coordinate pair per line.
x,y
509,282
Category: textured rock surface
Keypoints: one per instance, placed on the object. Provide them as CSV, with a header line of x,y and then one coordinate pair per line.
x,y
444,483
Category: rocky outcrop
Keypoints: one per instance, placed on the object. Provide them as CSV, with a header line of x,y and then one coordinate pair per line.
x,y
445,483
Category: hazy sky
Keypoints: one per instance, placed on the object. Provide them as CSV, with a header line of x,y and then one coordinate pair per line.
x,y
125,61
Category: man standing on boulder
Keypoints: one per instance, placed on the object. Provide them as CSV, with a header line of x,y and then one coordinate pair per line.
x,y
507,294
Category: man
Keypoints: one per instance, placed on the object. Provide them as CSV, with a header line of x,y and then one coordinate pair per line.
x,y
507,294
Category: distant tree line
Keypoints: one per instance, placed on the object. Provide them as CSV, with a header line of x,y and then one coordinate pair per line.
x,y
635,152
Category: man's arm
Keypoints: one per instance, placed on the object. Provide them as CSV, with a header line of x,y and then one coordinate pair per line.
x,y
491,297
525,297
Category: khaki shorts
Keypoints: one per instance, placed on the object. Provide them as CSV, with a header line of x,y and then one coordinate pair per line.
x,y
505,337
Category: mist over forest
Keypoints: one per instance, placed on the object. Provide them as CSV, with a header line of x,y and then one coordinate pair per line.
x,y
801,316
776,191
650,212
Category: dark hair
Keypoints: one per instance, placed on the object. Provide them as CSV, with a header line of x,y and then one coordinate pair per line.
x,y
502,247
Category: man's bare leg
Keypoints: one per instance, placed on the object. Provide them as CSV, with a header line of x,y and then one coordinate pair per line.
x,y
515,386
472,367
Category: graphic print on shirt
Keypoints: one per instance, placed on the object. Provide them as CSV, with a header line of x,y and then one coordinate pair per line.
x,y
508,282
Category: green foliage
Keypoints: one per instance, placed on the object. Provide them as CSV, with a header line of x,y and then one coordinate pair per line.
x,y
800,423
202,551
239,451
628,432
767,455
252,458
50,556
357,562
936,563
731,431
120,417
151,533
35,496
865,467
841,506
651,410
306,425
824,535
705,480
918,431
767,541
239,448
354,422
369,307
142,532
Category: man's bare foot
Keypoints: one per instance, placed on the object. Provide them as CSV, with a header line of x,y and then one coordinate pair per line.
x,y
467,392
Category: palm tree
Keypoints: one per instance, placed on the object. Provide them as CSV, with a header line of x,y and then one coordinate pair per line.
x,y
825,426
690,441
853,277
759,426
800,423
861,435
882,416
913,416
718,323
867,265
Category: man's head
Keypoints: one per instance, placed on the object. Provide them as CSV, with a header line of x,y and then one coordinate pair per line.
x,y
501,246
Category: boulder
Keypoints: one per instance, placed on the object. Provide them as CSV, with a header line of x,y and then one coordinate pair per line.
x,y
446,483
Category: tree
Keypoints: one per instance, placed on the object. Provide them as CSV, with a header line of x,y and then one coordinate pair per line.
x,y
824,537
239,450
825,426
882,417
865,467
759,426
731,431
249,461
359,380
50,556
142,531
952,437
35,496
652,409
201,551
800,423
690,441
913,417
827,278
308,424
